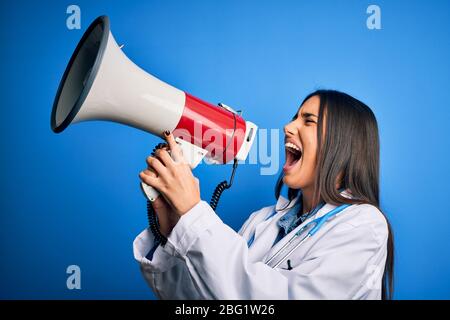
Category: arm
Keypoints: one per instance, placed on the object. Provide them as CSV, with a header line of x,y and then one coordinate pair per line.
x,y
165,274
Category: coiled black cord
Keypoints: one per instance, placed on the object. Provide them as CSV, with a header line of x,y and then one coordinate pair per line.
x,y
154,225
221,187
151,214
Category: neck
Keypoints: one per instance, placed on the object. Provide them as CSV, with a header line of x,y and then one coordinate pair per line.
x,y
307,198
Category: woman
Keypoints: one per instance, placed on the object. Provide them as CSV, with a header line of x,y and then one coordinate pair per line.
x,y
332,158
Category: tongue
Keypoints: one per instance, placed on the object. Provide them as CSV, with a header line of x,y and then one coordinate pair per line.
x,y
291,160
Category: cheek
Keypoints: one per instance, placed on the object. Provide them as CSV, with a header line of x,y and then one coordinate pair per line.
x,y
308,168
309,155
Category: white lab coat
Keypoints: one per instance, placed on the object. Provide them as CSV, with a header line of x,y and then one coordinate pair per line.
x,y
205,259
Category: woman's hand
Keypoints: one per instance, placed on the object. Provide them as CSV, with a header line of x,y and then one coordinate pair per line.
x,y
167,219
174,178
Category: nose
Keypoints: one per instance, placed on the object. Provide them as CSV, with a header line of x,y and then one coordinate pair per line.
x,y
289,129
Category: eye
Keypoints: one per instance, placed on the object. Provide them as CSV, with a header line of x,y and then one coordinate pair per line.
x,y
309,121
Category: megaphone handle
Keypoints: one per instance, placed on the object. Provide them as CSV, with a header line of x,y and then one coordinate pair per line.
x,y
149,192
151,195
192,155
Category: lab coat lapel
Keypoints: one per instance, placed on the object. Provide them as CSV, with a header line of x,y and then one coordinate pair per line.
x,y
282,206
267,231
265,234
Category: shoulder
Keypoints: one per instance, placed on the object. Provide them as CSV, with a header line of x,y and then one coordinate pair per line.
x,y
366,214
367,217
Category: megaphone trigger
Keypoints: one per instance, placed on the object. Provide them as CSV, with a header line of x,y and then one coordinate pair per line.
x,y
192,154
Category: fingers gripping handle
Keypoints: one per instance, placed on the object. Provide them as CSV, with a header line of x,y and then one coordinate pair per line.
x,y
191,154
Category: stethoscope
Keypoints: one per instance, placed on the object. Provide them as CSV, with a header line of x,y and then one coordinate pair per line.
x,y
304,233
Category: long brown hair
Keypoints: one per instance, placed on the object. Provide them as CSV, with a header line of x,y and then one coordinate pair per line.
x,y
348,151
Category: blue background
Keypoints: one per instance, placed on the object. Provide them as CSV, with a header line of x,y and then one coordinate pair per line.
x,y
74,198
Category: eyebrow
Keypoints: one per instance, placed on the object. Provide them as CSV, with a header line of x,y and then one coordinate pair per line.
x,y
307,115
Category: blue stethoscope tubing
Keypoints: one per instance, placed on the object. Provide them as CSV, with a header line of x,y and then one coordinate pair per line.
x,y
316,223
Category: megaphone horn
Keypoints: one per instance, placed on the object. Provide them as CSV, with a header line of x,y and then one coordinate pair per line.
x,y
101,83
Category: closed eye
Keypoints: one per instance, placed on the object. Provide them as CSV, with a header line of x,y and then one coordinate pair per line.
x,y
306,116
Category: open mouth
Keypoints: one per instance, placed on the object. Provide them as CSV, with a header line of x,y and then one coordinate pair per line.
x,y
293,155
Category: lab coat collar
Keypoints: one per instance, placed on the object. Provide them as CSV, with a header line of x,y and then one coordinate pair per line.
x,y
284,205
328,207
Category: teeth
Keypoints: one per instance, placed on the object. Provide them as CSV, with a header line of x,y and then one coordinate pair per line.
x,y
292,146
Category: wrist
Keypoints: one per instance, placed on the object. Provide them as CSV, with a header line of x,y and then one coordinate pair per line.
x,y
188,207
166,231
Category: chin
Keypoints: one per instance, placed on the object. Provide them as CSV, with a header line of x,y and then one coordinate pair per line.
x,y
291,182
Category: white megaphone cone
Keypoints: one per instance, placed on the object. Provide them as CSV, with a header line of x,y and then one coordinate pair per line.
x,y
101,83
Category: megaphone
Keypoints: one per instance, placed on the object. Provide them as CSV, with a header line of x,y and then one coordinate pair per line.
x,y
101,83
